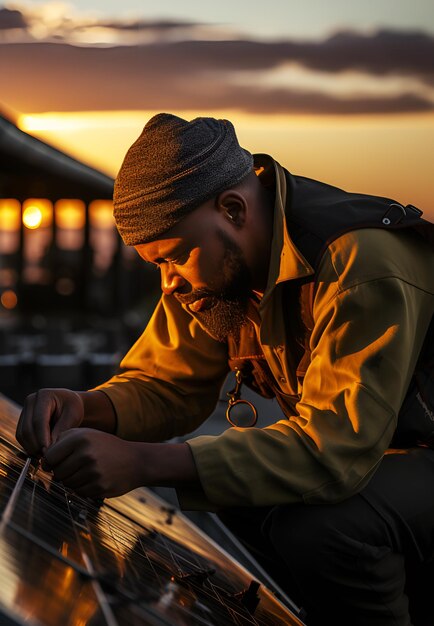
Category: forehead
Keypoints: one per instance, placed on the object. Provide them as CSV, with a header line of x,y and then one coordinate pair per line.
x,y
189,233
160,248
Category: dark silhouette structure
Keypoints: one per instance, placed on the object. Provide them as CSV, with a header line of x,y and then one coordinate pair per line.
x,y
71,296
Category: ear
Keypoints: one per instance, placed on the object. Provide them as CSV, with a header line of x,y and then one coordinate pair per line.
x,y
233,206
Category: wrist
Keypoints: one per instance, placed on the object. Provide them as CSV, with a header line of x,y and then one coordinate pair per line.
x,y
99,412
165,464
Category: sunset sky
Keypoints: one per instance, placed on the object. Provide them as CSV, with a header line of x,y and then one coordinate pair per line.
x,y
338,90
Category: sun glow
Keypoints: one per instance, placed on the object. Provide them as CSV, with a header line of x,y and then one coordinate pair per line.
x,y
77,120
387,155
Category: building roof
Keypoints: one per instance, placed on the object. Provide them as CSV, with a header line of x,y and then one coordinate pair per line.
x,y
31,167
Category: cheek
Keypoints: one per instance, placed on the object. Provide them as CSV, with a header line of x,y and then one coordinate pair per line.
x,y
205,269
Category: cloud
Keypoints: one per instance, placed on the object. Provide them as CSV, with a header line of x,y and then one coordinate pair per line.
x,y
137,25
380,53
56,20
210,74
305,102
11,19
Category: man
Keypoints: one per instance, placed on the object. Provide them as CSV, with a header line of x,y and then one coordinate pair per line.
x,y
321,298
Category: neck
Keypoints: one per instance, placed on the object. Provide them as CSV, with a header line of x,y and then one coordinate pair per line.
x,y
261,262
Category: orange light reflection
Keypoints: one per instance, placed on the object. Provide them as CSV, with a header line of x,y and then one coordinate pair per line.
x,y
37,212
9,299
70,214
10,214
101,214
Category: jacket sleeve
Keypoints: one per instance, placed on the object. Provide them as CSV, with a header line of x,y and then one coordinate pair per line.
x,y
169,381
369,328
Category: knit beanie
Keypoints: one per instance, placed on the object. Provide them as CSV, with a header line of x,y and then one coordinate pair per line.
x,y
171,169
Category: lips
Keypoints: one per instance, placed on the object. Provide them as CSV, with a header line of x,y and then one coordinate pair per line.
x,y
202,304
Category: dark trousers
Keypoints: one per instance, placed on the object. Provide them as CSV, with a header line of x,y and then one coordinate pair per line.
x,y
364,561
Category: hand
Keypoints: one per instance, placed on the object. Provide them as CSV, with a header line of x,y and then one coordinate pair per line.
x,y
45,415
96,464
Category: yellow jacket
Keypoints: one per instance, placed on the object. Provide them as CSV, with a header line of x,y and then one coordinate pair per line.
x,y
373,304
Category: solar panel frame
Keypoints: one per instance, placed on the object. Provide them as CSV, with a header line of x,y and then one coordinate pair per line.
x,y
132,560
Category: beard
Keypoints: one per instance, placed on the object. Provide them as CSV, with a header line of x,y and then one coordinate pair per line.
x,y
228,313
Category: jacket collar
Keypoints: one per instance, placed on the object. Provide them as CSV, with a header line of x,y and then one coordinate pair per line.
x,y
286,261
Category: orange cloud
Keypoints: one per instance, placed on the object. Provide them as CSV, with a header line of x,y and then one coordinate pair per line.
x,y
219,74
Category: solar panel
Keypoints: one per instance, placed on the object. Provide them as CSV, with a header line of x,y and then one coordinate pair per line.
x,y
132,560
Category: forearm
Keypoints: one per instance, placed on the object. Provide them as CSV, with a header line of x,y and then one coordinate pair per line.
x,y
169,382
154,410
99,412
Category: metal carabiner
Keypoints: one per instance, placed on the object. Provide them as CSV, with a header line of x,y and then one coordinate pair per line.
x,y
234,399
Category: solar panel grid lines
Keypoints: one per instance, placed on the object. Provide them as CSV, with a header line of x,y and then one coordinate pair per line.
x,y
128,561
8,512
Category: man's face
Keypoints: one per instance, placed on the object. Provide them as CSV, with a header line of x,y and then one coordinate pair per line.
x,y
204,268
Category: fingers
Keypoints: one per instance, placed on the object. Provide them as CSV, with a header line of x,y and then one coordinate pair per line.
x,y
43,410
66,461
33,429
72,465
23,434
85,488
45,415
67,444
91,463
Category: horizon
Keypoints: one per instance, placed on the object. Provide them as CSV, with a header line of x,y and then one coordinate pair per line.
x,y
344,95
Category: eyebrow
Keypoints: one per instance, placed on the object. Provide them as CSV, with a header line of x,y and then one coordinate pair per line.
x,y
176,250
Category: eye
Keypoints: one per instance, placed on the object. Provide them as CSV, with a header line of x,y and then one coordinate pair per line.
x,y
177,260
152,265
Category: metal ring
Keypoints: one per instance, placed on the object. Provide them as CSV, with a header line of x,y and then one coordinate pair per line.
x,y
250,405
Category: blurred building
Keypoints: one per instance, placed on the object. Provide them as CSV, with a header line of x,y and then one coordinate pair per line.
x,y
68,287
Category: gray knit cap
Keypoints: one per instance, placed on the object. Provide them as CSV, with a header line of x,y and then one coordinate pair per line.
x,y
171,169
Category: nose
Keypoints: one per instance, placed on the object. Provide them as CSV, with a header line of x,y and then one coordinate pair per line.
x,y
170,279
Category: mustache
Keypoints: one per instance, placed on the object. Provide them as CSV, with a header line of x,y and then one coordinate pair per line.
x,y
196,294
